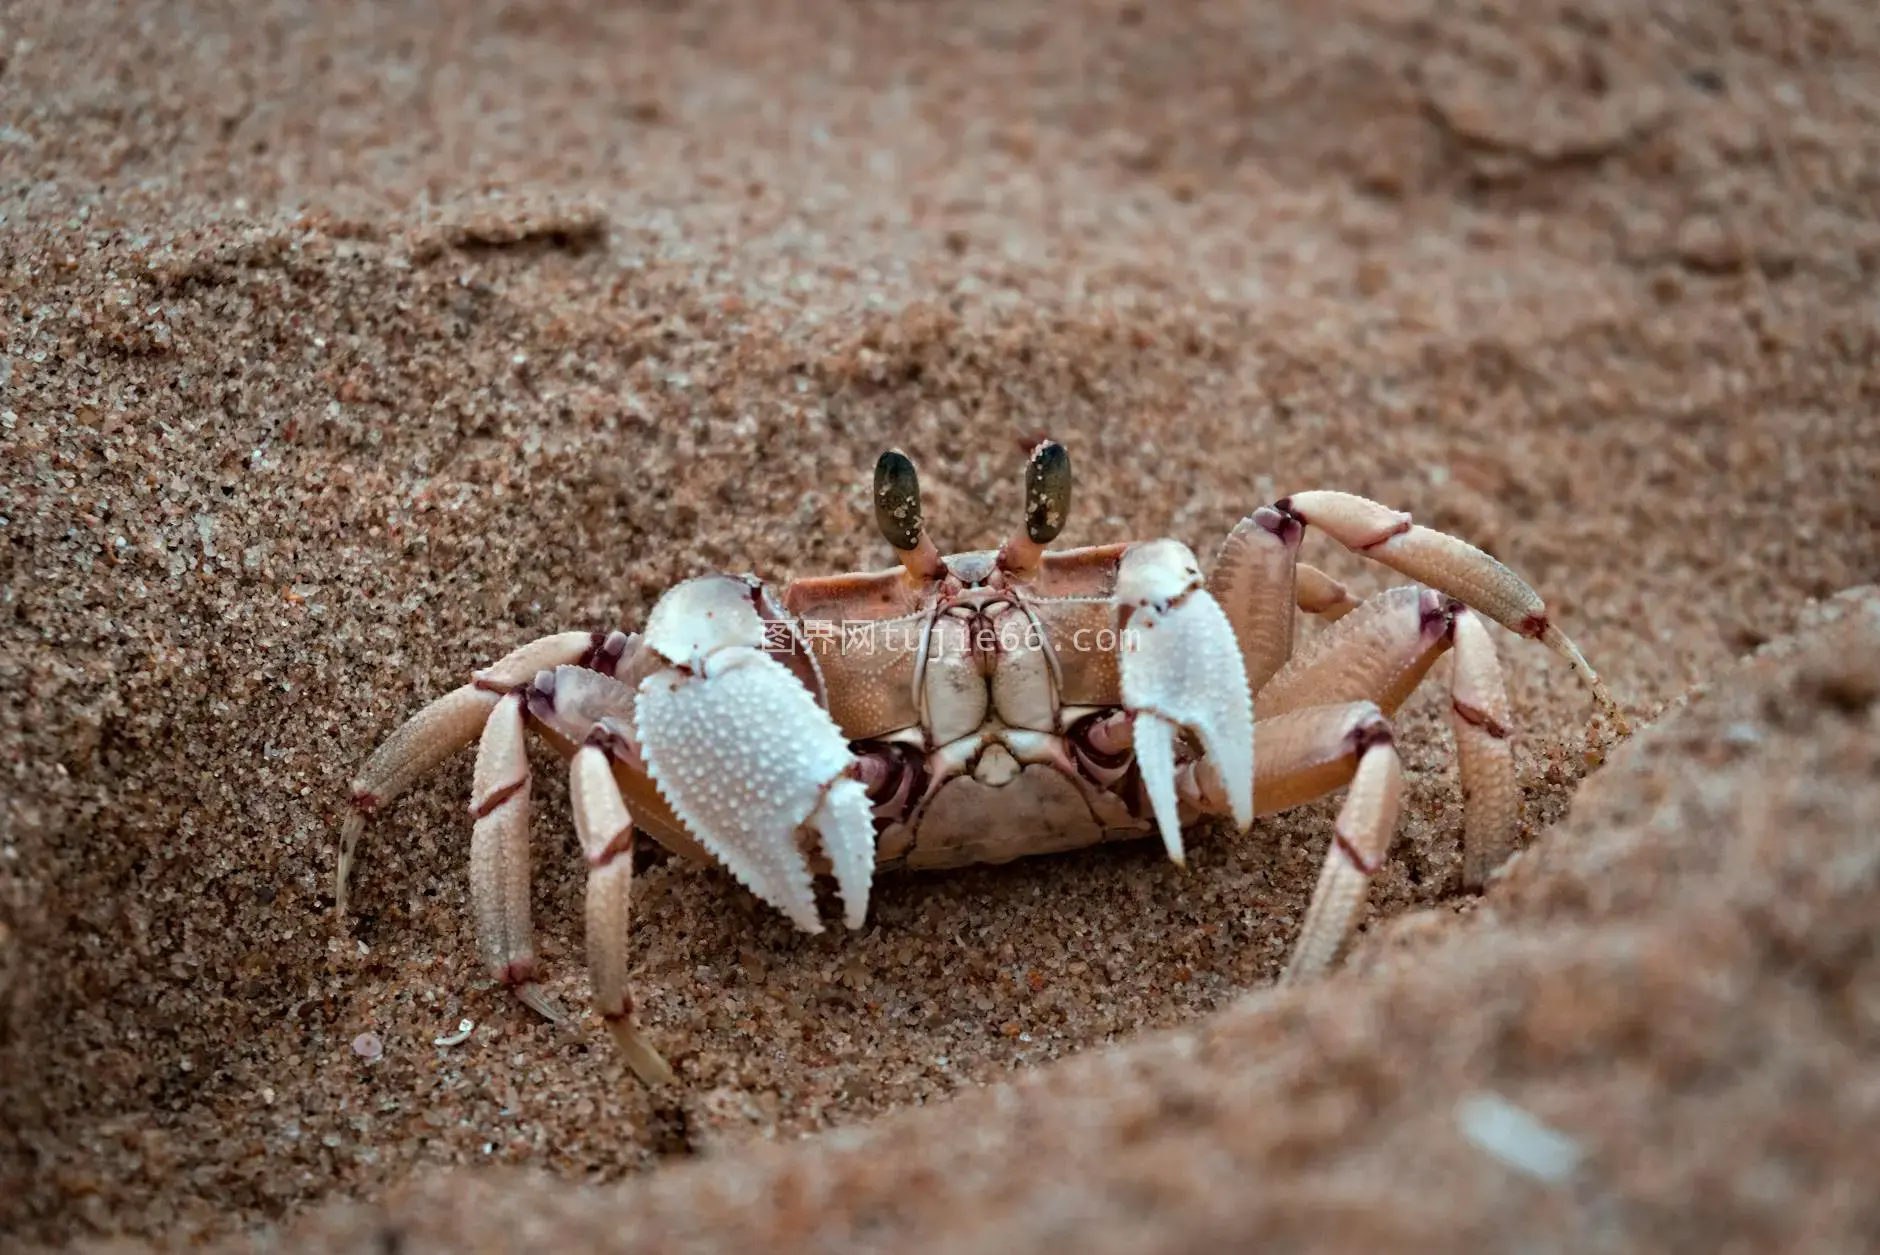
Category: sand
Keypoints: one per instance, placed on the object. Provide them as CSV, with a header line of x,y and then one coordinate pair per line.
x,y
346,347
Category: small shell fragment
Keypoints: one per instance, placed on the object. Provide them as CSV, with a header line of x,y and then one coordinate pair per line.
x,y
457,1038
368,1046
1517,1138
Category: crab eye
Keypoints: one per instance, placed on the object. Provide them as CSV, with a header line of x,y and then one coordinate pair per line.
x,y
897,500
1047,492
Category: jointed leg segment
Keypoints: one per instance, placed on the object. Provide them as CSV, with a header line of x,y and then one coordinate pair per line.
x,y
1361,837
499,855
605,827
1445,563
1322,714
1481,721
491,710
1379,652
440,730
1317,593
1305,755
1329,728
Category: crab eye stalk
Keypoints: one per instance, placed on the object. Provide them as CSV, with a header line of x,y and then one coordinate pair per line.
x,y
1047,492
1047,502
897,500
897,514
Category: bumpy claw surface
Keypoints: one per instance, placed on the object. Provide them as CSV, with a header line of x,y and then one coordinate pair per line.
x,y
745,756
1182,672
846,822
1155,758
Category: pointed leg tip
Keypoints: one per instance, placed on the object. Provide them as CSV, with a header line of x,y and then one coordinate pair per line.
x,y
647,1063
534,997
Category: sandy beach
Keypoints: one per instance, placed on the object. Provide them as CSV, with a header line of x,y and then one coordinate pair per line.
x,y
345,347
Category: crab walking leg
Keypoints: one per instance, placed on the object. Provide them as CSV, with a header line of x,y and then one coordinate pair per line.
x,y
1380,652
1444,562
499,855
427,739
1360,840
1182,672
1307,754
605,826
1253,581
438,731
1318,593
1481,720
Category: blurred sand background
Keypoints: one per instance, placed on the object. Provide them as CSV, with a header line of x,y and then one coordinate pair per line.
x,y
344,346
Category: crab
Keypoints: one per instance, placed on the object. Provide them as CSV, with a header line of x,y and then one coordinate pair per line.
x,y
976,708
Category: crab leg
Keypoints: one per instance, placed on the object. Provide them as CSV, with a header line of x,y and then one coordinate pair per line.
x,y
1443,562
1307,754
1481,720
438,731
1360,840
1318,593
1253,581
1182,673
1258,580
605,827
1378,655
499,855
1379,652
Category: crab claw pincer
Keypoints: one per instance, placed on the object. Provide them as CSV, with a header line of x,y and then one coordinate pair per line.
x,y
1182,674
745,757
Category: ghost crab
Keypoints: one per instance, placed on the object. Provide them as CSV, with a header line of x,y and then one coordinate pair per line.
x,y
979,707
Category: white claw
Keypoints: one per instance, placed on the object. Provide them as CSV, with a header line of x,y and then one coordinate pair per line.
x,y
745,756
847,823
1155,758
1181,668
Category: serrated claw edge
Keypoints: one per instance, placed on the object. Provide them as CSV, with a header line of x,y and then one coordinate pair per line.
x,y
1182,669
745,757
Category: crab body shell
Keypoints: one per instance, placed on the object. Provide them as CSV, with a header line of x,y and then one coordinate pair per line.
x,y
971,693
967,697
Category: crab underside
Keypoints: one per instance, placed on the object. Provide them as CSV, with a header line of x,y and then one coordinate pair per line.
x,y
980,707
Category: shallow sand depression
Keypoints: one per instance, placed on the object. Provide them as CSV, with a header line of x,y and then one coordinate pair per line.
x,y
346,346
